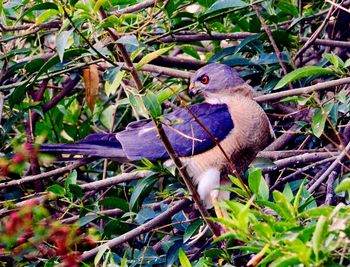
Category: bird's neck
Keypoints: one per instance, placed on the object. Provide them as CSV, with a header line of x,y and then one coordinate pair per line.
x,y
237,92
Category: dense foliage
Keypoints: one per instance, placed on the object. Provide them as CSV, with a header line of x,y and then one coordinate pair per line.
x,y
72,68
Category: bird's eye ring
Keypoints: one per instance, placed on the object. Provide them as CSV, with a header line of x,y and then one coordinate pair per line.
x,y
204,79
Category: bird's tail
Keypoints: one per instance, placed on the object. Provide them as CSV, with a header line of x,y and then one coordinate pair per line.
x,y
95,145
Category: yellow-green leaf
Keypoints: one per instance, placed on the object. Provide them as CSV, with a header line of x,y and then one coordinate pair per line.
x,y
151,56
111,88
302,73
185,262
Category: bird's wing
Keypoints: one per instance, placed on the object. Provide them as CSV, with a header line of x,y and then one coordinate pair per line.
x,y
139,140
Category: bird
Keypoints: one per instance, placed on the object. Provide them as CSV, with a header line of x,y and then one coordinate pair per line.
x,y
228,112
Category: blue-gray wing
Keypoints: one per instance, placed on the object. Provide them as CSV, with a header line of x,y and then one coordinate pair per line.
x,y
139,140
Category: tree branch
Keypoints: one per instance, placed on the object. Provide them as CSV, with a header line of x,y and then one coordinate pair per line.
x,y
326,174
121,178
303,90
144,228
136,7
41,176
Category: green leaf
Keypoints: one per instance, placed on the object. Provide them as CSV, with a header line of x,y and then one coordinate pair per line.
x,y
317,238
289,260
114,202
151,56
100,254
76,190
258,184
185,262
151,103
334,60
302,73
347,63
284,205
46,15
111,88
56,189
98,4
115,227
86,219
225,4
189,50
344,185
43,6
319,118
18,95
318,123
128,40
136,102
70,53
61,42
71,179
288,192
316,212
297,197
142,188
191,229
107,116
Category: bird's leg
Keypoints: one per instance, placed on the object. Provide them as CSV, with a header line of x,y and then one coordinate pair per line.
x,y
216,198
219,211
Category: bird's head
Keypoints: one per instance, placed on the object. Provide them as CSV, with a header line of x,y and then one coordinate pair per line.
x,y
217,80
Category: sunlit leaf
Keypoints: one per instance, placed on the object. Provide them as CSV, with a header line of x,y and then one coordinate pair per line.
x,y
225,4
61,42
302,73
151,102
319,118
185,262
344,185
151,56
56,189
317,238
42,6
111,88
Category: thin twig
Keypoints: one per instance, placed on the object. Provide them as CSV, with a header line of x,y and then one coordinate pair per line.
x,y
292,176
110,212
314,35
144,228
120,178
303,90
185,176
41,176
279,154
330,194
2,97
307,157
137,7
272,40
326,174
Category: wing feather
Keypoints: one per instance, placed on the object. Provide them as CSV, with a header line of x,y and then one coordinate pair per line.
x,y
185,134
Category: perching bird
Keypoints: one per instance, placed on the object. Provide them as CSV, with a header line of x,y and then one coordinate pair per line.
x,y
229,113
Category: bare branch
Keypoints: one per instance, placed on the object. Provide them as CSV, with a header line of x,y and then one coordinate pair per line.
x,y
326,174
304,158
314,35
146,227
41,176
273,43
121,178
303,90
136,7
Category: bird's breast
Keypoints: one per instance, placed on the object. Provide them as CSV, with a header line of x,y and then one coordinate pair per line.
x,y
251,134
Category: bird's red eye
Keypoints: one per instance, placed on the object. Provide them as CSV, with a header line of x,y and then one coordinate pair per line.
x,y
205,79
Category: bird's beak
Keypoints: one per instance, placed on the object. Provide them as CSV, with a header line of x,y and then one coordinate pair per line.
x,y
192,90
